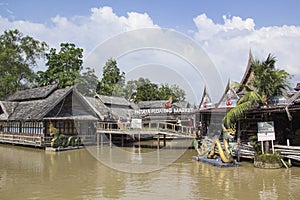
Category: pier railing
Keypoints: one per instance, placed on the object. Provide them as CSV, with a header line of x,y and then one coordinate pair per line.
x,y
148,126
31,140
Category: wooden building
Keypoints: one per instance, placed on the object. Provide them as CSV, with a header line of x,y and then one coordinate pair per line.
x,y
283,110
25,116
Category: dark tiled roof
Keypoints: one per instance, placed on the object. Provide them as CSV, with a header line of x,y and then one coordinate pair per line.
x,y
161,104
121,101
98,106
37,109
8,108
110,107
151,104
32,94
297,88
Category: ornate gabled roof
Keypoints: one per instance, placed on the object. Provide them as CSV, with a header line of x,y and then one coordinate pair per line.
x,y
32,94
206,102
297,88
248,73
229,98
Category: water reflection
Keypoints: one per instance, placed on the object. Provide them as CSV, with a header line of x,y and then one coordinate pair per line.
x,y
27,173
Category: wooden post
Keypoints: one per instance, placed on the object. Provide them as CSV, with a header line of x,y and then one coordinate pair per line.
x,y
165,142
158,142
110,140
98,139
288,144
101,138
139,140
262,147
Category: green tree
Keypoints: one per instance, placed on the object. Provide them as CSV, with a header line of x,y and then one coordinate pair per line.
x,y
131,87
63,67
147,92
266,83
113,80
268,80
18,55
87,83
165,91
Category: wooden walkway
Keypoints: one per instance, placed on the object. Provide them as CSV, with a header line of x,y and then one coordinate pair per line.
x,y
159,130
27,140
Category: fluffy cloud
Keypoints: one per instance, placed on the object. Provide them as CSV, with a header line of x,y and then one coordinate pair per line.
x,y
85,31
228,45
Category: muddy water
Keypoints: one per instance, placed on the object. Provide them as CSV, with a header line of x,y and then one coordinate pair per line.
x,y
27,173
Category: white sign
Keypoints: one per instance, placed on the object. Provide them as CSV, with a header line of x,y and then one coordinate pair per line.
x,y
163,111
136,123
266,131
266,136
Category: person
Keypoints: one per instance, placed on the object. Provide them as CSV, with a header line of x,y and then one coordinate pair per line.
x,y
191,128
199,131
120,125
178,124
128,122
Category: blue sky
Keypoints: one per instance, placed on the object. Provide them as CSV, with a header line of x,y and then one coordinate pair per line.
x,y
226,30
168,14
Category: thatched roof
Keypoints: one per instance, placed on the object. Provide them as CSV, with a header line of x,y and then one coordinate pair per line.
x,y
161,104
99,108
36,109
113,100
32,94
151,104
110,107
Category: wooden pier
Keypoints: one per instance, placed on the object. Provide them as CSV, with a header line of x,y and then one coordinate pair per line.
x,y
148,130
26,140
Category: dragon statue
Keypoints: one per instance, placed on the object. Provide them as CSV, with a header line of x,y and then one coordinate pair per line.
x,y
225,154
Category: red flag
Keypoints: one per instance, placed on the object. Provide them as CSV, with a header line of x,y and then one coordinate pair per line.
x,y
168,104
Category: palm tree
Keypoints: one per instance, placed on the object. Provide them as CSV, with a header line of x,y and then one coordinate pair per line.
x,y
249,99
265,84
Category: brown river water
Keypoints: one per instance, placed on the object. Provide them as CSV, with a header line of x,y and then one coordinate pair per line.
x,y
28,173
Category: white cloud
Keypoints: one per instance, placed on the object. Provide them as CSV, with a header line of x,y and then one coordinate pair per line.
x,y
228,44
85,31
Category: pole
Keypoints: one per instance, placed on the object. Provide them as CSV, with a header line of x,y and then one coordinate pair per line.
x,y
288,144
262,147
239,142
158,142
110,140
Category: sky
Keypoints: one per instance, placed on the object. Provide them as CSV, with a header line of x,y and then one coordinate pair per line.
x,y
226,30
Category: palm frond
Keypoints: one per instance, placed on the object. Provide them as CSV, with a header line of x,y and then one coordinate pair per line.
x,y
235,113
252,97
